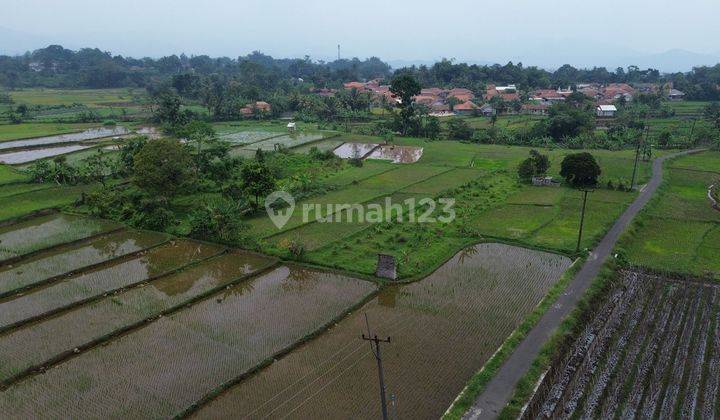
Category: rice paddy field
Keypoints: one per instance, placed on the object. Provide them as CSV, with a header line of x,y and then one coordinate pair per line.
x,y
490,205
11,132
89,134
653,351
442,330
211,342
679,232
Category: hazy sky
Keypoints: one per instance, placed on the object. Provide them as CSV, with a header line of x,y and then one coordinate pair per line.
x,y
391,29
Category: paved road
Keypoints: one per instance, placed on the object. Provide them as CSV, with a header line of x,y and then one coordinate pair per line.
x,y
499,390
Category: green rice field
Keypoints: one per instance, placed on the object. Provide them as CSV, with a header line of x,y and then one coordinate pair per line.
x,y
679,232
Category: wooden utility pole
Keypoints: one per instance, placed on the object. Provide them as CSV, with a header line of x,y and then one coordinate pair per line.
x,y
375,347
582,219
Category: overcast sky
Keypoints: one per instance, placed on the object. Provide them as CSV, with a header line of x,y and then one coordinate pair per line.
x,y
476,30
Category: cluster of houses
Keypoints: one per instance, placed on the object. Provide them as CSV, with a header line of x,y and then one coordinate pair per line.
x,y
460,101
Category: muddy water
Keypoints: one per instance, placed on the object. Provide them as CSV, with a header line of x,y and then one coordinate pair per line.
x,y
70,258
25,156
159,370
52,336
397,154
93,133
352,150
443,329
47,231
155,262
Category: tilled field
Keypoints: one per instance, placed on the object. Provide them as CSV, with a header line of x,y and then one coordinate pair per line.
x,y
653,351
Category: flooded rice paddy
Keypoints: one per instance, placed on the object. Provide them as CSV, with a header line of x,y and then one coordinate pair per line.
x,y
355,150
248,137
82,326
443,329
63,260
286,141
48,231
20,309
144,326
397,154
163,368
25,156
90,134
392,153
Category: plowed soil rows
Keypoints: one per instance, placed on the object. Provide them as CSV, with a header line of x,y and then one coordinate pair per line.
x,y
662,361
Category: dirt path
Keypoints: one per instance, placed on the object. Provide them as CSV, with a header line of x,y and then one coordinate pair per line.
x,y
499,390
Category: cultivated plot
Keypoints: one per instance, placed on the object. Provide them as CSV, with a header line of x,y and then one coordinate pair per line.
x,y
652,350
70,291
64,260
55,338
90,134
48,231
162,369
443,329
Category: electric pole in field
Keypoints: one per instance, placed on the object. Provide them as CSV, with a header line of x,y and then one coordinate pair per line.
x,y
582,218
375,347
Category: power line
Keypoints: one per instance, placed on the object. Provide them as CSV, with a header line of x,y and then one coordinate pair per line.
x,y
376,352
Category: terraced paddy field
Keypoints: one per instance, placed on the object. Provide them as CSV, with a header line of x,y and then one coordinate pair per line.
x,y
653,351
44,232
89,134
442,330
165,367
65,260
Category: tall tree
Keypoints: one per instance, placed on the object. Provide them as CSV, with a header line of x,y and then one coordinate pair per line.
x,y
405,87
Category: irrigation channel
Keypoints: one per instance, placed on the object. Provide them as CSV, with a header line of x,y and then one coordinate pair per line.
x,y
97,320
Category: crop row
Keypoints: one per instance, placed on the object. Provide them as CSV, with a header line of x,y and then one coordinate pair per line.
x,y
660,361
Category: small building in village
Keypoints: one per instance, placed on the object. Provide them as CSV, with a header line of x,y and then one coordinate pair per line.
x,y
606,111
675,95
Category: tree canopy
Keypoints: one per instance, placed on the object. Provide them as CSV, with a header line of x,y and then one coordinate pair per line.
x,y
580,169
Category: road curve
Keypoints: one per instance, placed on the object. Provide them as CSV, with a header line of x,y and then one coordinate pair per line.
x,y
500,389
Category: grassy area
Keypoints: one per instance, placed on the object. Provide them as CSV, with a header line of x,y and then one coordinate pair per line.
x,y
28,130
10,175
680,232
28,202
88,97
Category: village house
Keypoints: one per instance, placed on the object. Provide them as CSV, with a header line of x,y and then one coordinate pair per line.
x,y
506,93
259,106
465,108
547,96
487,110
606,111
536,109
675,95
